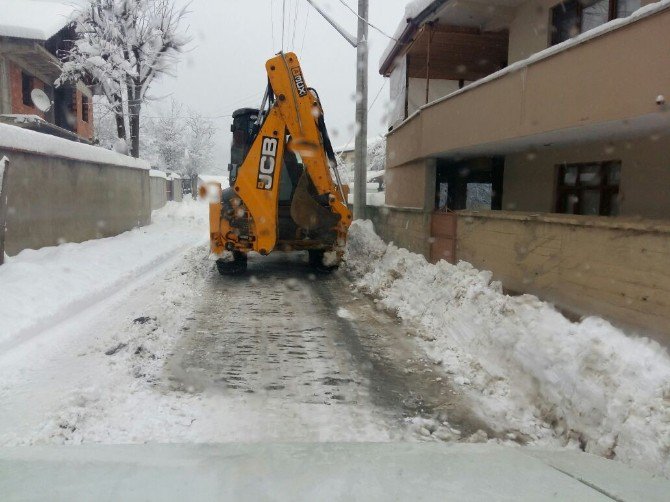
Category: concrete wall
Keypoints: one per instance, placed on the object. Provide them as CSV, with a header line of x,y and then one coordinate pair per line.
x,y
562,98
416,97
158,189
54,199
614,268
411,185
407,228
530,31
178,190
530,178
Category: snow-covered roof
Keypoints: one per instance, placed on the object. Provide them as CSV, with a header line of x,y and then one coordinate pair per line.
x,y
375,174
35,19
412,11
155,173
16,138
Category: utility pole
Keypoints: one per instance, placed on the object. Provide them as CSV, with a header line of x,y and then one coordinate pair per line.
x,y
361,148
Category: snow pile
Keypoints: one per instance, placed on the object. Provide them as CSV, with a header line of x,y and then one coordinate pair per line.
x,y
530,368
41,287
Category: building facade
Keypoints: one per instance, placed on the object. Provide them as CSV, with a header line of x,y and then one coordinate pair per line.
x,y
532,138
30,44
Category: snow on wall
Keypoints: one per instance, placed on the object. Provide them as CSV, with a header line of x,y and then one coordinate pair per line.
x,y
34,19
13,137
155,173
529,368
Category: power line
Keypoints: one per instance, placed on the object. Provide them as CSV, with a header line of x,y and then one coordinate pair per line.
x,y
272,23
367,22
379,92
304,34
295,23
283,22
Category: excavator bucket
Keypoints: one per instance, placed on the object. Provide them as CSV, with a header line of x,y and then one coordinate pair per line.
x,y
307,212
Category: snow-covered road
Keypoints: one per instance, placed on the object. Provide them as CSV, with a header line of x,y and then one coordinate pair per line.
x,y
172,352
155,346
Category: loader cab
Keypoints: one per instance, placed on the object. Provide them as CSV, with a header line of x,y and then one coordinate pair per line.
x,y
244,129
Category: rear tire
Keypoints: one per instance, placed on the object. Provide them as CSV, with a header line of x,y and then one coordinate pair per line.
x,y
237,266
316,262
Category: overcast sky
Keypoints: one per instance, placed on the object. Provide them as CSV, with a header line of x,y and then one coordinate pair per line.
x,y
232,39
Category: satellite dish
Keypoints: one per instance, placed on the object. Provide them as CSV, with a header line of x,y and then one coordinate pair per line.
x,y
40,100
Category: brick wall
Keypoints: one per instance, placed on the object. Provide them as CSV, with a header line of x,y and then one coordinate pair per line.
x,y
83,129
16,92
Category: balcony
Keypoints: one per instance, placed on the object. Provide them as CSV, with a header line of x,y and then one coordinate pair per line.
x,y
602,85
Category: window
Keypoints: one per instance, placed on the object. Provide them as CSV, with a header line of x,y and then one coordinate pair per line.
x,y
84,108
589,189
571,18
478,196
26,89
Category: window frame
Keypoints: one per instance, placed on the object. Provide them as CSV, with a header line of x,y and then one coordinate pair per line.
x,y
606,189
85,103
27,86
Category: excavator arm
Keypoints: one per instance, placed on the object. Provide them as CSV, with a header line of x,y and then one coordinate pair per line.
x,y
247,219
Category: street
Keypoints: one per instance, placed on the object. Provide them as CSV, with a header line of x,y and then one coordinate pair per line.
x,y
280,354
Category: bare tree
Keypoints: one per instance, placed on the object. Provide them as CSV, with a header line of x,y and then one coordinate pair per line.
x,y
123,46
169,137
183,140
200,145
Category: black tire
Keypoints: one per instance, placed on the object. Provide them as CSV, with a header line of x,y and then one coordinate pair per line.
x,y
237,266
316,262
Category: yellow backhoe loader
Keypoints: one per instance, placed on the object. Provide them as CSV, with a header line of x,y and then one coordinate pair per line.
x,y
285,191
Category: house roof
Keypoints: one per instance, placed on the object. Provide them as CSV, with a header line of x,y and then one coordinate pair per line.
x,y
35,19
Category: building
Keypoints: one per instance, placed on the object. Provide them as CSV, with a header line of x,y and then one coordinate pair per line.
x,y
346,154
32,35
532,138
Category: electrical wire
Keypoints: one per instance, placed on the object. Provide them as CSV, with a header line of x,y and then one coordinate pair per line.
x,y
304,33
295,23
379,92
283,23
272,23
367,22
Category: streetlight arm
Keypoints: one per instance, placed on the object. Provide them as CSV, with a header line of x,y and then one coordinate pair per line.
x,y
349,38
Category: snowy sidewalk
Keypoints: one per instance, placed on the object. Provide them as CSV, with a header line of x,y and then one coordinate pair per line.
x,y
41,287
558,383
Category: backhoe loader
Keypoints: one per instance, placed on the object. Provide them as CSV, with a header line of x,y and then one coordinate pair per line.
x,y
285,191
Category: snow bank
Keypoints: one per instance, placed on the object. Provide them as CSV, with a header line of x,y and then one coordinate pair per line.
x,y
530,368
46,285
36,142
